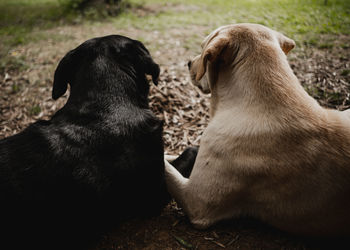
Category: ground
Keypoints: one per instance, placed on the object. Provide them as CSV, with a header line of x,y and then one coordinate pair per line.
x,y
173,33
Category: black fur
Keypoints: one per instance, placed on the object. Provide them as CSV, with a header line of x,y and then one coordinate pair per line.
x,y
98,160
185,162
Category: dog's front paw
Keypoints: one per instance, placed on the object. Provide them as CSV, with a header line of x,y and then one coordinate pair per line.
x,y
170,158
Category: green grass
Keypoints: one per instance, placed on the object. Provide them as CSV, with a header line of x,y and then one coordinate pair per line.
x,y
303,20
20,17
34,110
299,19
345,72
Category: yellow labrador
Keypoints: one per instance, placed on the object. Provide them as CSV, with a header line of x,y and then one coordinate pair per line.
x,y
270,150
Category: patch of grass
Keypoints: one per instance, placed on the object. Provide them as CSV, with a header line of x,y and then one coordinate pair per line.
x,y
19,17
23,21
298,19
15,88
191,43
345,72
334,98
313,41
293,17
326,45
313,91
302,20
35,110
12,63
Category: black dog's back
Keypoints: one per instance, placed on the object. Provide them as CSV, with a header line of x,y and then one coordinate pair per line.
x,y
82,190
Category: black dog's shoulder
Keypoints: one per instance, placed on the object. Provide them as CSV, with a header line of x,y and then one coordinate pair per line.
x,y
25,147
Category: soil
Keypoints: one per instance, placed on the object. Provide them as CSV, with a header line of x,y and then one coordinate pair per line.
x,y
25,96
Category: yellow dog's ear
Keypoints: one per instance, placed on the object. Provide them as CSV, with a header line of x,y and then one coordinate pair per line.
x,y
211,53
286,43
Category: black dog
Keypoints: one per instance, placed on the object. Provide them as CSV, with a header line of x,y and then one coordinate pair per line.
x,y
99,159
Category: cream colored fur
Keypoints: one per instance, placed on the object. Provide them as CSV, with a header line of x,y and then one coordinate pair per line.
x,y
270,150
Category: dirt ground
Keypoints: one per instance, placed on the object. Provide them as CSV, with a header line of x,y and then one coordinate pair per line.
x,y
25,96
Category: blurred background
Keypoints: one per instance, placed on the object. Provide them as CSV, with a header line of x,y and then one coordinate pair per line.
x,y
36,34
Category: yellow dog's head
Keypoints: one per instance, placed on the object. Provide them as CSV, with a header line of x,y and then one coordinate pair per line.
x,y
229,46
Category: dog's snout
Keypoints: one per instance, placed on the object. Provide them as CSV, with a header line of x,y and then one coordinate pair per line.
x,y
189,64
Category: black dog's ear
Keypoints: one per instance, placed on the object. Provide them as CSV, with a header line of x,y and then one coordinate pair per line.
x,y
153,69
150,67
63,75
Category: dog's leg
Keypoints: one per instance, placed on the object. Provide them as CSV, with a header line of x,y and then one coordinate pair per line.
x,y
170,158
182,191
175,182
196,195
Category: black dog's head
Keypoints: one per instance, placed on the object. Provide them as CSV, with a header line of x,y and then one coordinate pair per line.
x,y
100,61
